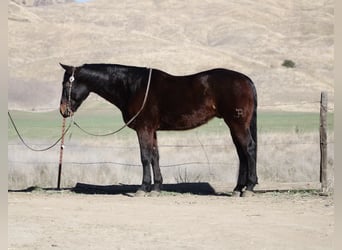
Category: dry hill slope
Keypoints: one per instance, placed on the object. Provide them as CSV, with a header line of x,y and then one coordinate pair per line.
x,y
180,37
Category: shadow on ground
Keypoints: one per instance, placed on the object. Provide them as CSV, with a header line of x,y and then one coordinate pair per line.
x,y
197,188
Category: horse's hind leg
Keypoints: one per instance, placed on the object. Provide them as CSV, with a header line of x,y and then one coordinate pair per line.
x,y
246,150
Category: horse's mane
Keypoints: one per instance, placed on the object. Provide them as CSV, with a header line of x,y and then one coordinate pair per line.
x,y
130,77
94,72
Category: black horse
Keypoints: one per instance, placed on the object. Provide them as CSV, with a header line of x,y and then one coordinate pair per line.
x,y
152,100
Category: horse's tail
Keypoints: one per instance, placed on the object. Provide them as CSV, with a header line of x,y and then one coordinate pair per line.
x,y
253,124
253,131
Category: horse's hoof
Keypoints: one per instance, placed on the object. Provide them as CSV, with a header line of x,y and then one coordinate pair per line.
x,y
140,193
236,194
154,193
248,193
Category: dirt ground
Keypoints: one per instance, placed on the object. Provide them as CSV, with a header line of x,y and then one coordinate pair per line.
x,y
68,220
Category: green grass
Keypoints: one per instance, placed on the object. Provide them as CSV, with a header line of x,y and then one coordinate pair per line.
x,y
291,122
47,125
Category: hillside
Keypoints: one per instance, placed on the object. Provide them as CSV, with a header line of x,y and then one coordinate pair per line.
x,y
180,37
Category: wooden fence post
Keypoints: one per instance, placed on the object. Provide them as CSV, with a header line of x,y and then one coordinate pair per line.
x,y
323,143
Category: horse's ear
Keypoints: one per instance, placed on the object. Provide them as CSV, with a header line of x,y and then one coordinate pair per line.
x,y
67,68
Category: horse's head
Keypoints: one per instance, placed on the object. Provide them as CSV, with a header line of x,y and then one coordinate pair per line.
x,y
74,92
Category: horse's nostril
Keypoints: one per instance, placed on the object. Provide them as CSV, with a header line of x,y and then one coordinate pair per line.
x,y
64,110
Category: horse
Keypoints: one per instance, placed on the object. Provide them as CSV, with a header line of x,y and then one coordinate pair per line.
x,y
152,100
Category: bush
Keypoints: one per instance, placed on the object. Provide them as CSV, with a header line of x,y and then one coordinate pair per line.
x,y
288,64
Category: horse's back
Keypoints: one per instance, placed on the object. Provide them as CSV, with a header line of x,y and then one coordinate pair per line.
x,y
189,101
219,84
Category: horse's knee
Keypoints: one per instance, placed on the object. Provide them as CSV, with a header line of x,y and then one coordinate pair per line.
x,y
146,157
145,161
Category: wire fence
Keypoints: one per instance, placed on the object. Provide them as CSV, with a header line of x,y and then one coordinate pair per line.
x,y
296,153
128,148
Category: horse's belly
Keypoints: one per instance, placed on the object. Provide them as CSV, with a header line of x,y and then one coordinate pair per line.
x,y
186,120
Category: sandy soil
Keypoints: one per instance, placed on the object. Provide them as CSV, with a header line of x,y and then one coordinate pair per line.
x,y
66,220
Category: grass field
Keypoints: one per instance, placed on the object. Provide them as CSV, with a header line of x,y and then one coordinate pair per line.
x,y
47,125
288,150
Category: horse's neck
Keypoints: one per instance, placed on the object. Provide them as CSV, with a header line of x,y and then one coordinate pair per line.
x,y
109,88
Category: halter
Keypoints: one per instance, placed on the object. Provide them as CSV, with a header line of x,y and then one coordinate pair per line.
x,y
69,85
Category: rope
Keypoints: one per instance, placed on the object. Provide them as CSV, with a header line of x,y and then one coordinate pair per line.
x,y
29,147
61,157
131,120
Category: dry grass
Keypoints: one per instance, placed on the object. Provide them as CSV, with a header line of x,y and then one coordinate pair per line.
x,y
185,157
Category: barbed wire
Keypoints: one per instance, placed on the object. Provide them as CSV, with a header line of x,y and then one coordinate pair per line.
x,y
197,163
184,145
286,104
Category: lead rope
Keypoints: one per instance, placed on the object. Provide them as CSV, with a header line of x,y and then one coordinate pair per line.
x,y
61,156
131,120
71,80
34,149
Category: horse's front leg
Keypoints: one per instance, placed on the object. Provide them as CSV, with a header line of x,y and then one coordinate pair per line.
x,y
145,138
157,177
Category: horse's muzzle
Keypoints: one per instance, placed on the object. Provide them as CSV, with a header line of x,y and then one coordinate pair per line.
x,y
65,111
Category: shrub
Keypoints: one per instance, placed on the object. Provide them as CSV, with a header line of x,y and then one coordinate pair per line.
x,y
288,64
